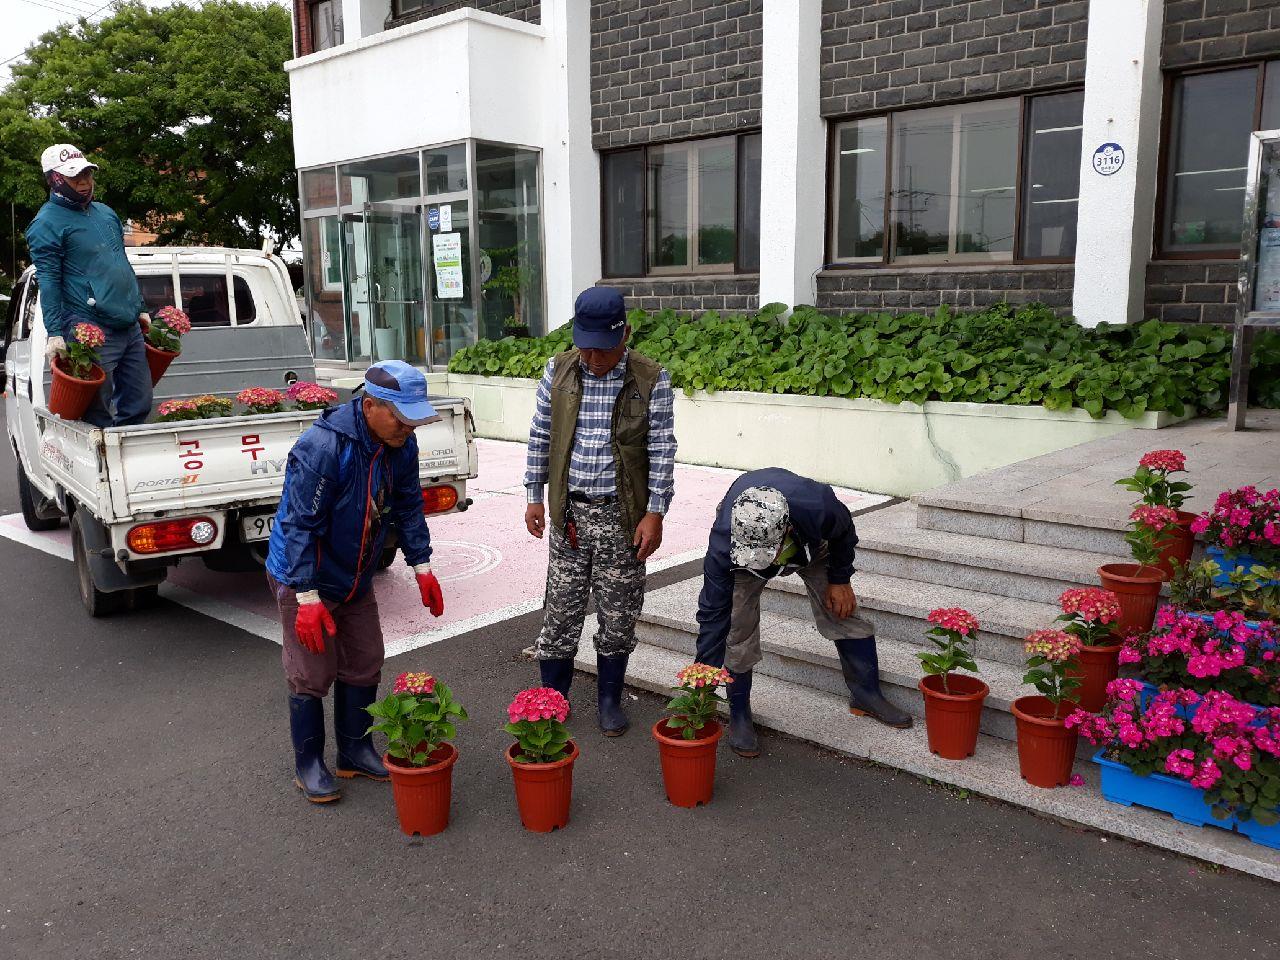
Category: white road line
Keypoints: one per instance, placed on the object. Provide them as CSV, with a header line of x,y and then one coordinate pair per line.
x,y
42,542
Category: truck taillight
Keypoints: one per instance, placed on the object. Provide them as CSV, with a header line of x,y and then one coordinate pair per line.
x,y
167,535
439,499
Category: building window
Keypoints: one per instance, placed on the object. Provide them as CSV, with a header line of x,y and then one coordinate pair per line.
x,y
682,208
326,24
942,184
1211,117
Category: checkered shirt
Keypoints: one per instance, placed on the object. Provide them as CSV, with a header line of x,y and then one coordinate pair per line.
x,y
591,467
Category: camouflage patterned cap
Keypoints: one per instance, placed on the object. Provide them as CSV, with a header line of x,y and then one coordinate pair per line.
x,y
758,522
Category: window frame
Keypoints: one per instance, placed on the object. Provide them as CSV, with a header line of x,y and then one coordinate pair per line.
x,y
651,272
339,33
886,259
1163,162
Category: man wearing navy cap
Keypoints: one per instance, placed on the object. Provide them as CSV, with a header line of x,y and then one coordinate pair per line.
x,y
603,444
356,466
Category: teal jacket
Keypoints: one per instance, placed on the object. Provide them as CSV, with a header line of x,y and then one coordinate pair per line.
x,y
81,267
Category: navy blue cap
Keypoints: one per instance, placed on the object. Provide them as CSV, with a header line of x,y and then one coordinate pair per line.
x,y
599,319
404,387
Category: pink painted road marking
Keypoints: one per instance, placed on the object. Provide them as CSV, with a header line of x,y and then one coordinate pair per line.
x,y
488,564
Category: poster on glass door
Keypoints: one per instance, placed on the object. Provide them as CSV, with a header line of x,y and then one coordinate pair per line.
x,y
446,250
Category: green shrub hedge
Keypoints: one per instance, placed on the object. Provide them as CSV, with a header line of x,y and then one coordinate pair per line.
x,y
1002,355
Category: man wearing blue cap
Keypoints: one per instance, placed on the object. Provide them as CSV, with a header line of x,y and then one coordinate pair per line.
x,y
356,466
603,444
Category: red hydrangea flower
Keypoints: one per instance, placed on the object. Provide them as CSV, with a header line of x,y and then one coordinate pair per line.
x,y
956,619
538,703
1092,604
1157,518
1166,461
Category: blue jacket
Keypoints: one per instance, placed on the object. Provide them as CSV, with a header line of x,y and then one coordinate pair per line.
x,y
79,256
340,486
816,517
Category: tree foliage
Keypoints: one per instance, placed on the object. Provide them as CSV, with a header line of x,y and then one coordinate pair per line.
x,y
185,108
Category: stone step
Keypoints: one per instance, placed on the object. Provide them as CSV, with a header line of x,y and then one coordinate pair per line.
x,y
1071,530
898,610
822,719
892,545
796,652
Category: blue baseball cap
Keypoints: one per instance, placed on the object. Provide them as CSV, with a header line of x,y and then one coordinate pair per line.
x,y
404,387
599,319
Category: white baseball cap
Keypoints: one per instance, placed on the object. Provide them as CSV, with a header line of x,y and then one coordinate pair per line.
x,y
65,159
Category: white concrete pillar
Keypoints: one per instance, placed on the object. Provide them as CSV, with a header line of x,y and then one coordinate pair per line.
x,y
1122,93
793,168
570,167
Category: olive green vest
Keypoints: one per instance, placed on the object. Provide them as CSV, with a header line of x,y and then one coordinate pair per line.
x,y
630,434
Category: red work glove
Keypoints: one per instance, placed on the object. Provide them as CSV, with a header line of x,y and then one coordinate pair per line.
x,y
313,622
429,587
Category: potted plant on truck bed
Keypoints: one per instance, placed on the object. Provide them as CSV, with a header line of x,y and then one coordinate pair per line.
x,y
163,340
77,378
952,701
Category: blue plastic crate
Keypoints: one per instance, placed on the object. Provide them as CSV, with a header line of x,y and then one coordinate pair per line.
x,y
1178,798
1218,556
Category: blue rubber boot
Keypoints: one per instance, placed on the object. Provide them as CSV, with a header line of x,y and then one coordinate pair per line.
x,y
356,755
610,673
306,726
741,735
861,671
557,674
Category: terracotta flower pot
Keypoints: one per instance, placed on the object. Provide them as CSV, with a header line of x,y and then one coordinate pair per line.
x,y
69,397
688,766
423,794
1138,590
1176,545
543,790
1095,667
158,361
952,717
1046,748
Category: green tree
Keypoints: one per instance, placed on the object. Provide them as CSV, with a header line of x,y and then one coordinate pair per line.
x,y
186,108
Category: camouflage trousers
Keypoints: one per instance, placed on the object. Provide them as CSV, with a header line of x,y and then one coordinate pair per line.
x,y
603,567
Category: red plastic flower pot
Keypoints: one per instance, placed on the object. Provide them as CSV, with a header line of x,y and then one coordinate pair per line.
x,y
952,716
69,397
1046,748
1176,545
688,766
158,361
1138,590
1095,667
423,794
543,790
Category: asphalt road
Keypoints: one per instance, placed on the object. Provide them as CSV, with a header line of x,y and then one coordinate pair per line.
x,y
146,810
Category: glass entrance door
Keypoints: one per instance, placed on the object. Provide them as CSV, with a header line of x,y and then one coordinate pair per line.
x,y
453,308
384,283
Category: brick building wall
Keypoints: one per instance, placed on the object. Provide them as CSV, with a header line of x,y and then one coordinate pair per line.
x,y
895,53
674,68
1192,291
691,294
1200,32
527,10
924,289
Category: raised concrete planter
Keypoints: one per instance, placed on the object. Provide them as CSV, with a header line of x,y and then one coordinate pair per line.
x,y
864,444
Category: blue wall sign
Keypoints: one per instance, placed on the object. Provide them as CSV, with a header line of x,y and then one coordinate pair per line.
x,y
1108,159
433,218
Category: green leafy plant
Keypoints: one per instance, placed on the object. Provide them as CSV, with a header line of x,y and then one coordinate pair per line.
x,y
1004,355
1151,479
951,634
1146,531
694,705
416,718
1049,655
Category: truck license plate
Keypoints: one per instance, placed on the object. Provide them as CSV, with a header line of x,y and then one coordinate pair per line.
x,y
256,528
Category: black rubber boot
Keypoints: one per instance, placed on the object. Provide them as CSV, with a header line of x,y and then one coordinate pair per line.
x,y
862,676
558,675
306,725
610,672
356,755
741,735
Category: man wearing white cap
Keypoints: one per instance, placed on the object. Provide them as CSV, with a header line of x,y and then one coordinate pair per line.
x,y
77,245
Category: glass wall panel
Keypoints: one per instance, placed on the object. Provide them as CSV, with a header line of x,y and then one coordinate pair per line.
x,y
1212,117
510,224
1052,176
669,182
318,189
749,202
452,296
445,169
322,260
623,186
922,187
383,179
988,158
717,199
860,169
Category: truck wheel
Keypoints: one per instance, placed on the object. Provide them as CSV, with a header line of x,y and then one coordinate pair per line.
x,y
96,603
27,497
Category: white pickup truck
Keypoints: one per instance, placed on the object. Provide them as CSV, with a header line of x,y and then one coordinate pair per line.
x,y
140,499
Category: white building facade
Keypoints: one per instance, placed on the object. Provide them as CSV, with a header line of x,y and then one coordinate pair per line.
x,y
466,168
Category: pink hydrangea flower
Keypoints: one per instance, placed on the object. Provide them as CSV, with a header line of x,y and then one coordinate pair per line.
x,y
956,619
257,398
1056,646
175,320
1166,461
1091,605
538,703
89,335
1157,518
702,675
416,683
